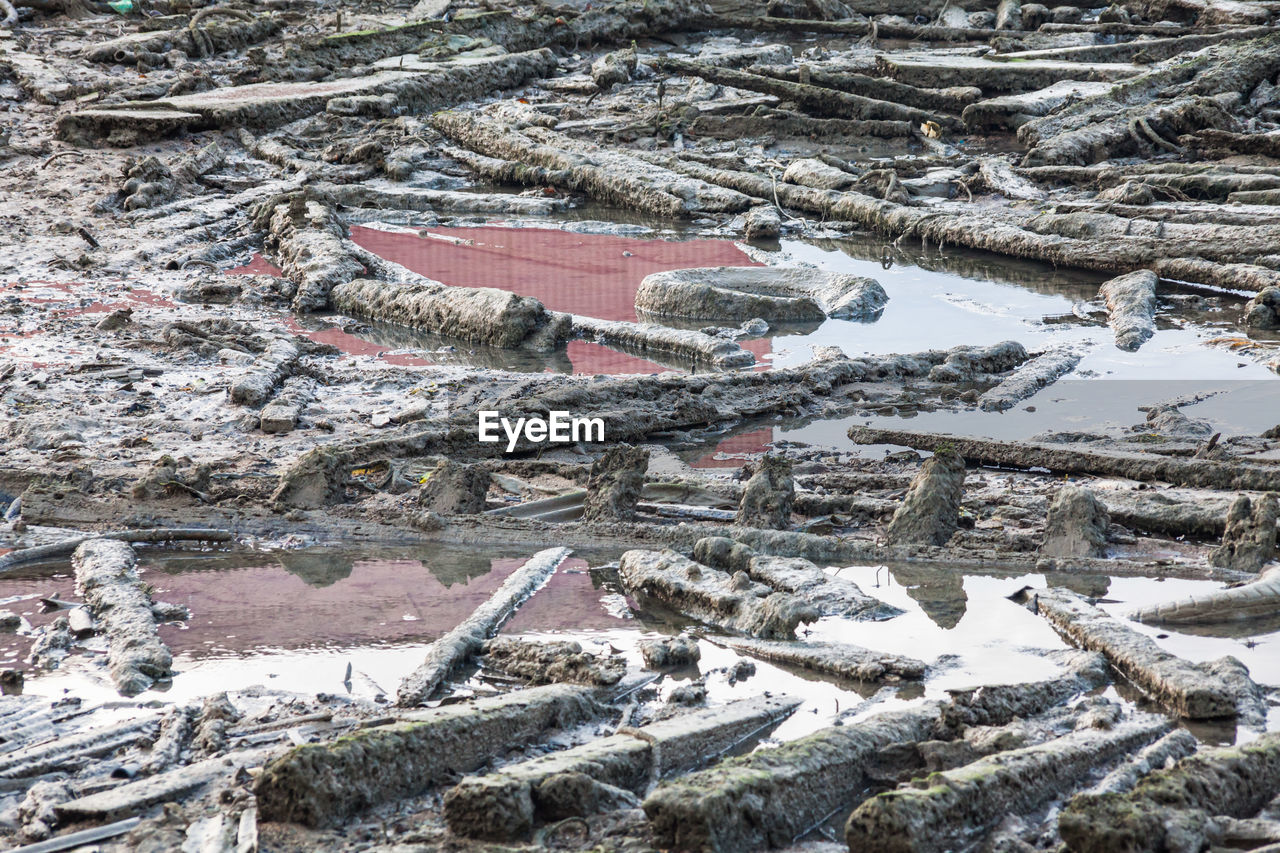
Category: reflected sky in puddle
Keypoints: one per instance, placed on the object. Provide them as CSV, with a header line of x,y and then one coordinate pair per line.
x,y
295,620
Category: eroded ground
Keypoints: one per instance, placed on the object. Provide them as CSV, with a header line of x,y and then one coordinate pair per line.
x,y
934,347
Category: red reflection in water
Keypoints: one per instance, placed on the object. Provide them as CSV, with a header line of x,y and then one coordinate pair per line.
x,y
368,606
592,274
737,448
258,265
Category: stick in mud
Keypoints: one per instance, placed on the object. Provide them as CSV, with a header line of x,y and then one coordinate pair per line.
x,y
1071,459
58,550
466,640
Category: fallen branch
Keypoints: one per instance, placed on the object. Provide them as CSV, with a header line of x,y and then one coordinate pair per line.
x,y
466,640
58,550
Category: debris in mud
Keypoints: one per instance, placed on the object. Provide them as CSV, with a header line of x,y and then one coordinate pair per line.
x,y
544,663
1221,688
730,601
1249,541
768,495
929,513
1076,525
461,207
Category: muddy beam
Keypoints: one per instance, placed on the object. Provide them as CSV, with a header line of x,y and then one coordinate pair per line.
x,y
1256,600
948,809
541,156
823,102
1197,691
321,784
1067,459
507,804
1176,745
652,338
1029,378
769,798
715,597
59,550
466,640
107,579
484,315
1131,307
842,660
1174,808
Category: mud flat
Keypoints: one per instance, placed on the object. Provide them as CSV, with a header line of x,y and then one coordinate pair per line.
x,y
828,279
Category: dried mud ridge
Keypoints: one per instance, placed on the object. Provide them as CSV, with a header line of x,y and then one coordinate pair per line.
x,y
151,400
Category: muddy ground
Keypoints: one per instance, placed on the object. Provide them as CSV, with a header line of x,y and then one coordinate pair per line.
x,y
922,498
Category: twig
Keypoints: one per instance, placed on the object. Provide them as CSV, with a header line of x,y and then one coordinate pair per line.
x,y
61,549
58,154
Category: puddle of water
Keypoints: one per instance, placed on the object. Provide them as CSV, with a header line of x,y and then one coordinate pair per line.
x,y
969,298
294,620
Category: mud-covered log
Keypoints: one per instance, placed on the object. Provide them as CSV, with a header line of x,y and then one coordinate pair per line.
x,y
842,660
540,156
322,784
653,339
1256,600
310,243
732,602
952,100
258,383
166,787
1068,459
832,595
507,804
1131,308
484,315
944,810
1173,809
1176,745
427,200
107,579
1030,378
465,640
212,38
816,99
773,294
1197,691
1233,276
